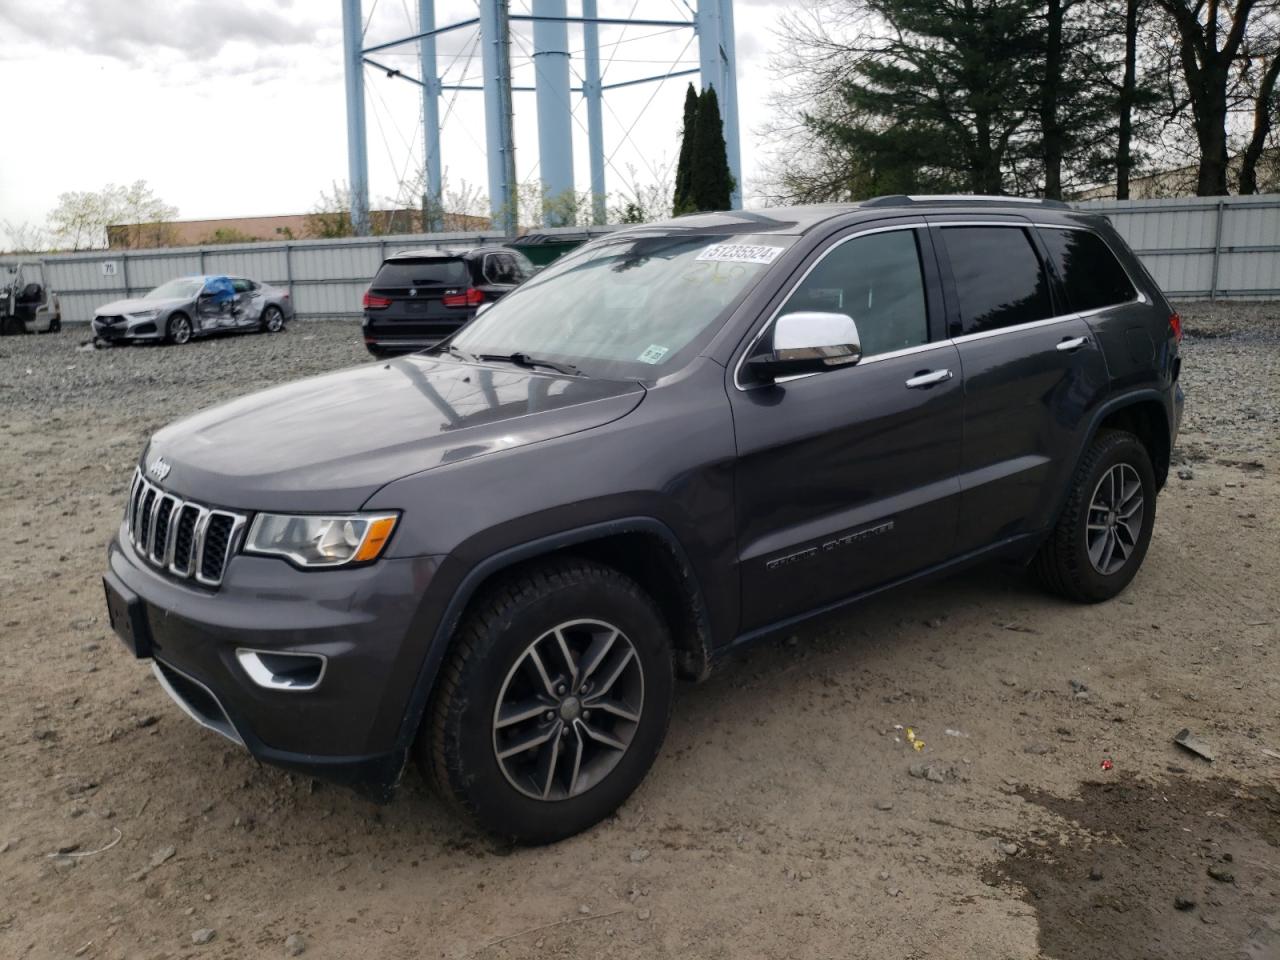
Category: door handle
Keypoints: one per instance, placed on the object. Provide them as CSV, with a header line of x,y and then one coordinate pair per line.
x,y
929,378
1071,344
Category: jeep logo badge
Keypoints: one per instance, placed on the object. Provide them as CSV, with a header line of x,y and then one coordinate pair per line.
x,y
160,469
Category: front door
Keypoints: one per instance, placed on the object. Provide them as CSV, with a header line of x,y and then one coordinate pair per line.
x,y
847,479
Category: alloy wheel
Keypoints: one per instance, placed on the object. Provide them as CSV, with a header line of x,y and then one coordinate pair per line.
x,y
568,710
180,330
275,320
1115,519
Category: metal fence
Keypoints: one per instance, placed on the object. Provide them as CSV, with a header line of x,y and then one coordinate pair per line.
x,y
326,278
1203,247
1198,247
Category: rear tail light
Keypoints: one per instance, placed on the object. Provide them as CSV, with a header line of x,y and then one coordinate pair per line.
x,y
1175,324
374,302
472,298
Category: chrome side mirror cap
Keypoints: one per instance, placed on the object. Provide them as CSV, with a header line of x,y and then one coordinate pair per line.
x,y
807,342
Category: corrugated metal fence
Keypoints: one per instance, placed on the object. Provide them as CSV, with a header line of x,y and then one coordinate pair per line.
x,y
326,277
1196,247
1204,247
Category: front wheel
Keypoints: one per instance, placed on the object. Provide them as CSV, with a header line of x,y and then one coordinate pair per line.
x,y
553,703
1101,537
178,330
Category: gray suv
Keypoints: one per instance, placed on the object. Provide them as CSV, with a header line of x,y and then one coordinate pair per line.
x,y
496,557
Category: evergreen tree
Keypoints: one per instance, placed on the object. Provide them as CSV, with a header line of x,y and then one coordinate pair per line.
x,y
681,202
712,183
703,180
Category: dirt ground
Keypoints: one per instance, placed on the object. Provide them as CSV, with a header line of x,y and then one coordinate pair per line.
x,y
788,815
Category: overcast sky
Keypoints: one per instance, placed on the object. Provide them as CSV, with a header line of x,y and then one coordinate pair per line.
x,y
236,107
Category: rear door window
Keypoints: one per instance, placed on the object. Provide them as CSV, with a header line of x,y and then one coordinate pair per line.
x,y
499,268
999,279
428,272
1089,270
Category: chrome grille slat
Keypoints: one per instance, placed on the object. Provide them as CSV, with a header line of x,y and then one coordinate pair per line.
x,y
155,521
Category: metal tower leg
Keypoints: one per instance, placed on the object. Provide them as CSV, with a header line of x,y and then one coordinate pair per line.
x,y
595,124
555,123
729,101
718,63
432,209
357,149
500,150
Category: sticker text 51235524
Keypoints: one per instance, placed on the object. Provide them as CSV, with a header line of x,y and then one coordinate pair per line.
x,y
740,253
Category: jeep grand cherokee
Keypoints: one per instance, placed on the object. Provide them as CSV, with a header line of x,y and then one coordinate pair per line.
x,y
495,557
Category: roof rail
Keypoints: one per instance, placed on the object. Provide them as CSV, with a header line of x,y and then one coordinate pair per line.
x,y
905,200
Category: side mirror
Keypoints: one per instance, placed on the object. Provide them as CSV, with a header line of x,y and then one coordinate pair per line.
x,y
483,307
808,342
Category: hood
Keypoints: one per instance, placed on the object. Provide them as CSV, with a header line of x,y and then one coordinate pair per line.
x,y
329,442
136,305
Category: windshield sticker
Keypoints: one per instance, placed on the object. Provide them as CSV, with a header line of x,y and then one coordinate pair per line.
x,y
740,253
654,353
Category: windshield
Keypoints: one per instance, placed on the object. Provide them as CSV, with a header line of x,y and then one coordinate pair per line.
x,y
183,289
627,307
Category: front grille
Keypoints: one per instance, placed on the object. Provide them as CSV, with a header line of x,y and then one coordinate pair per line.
x,y
186,539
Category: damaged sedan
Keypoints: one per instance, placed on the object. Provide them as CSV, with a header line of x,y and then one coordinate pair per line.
x,y
176,311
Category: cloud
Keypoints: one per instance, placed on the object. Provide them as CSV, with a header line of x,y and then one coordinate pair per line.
x,y
135,31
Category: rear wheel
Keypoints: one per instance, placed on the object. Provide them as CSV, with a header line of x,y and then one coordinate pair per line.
x,y
178,330
1101,537
272,319
553,703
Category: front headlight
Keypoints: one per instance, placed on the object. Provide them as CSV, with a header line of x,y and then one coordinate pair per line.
x,y
144,315
321,541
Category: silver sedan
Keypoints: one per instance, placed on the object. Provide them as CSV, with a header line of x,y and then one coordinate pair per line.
x,y
176,311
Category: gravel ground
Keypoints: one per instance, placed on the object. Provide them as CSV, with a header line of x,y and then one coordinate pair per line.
x,y
787,816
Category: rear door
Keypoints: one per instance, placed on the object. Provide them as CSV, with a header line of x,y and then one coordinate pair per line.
x,y
1032,373
846,479
428,297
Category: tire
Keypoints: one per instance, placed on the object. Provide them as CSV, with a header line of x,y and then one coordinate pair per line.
x,y
491,696
178,329
272,320
55,325
1095,550
378,353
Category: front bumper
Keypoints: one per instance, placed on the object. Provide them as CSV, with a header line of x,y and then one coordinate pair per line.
x,y
366,624
123,330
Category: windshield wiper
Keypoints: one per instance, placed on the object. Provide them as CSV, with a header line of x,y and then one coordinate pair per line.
x,y
524,360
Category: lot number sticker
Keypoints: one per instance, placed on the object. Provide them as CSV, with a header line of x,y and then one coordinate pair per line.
x,y
740,253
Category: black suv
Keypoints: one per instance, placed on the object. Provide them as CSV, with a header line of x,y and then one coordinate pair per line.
x,y
496,556
420,297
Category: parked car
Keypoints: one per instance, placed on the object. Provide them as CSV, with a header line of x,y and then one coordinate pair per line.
x,y
495,557
27,305
420,297
176,311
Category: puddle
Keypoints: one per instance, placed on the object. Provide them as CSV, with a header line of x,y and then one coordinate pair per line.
x,y
1151,847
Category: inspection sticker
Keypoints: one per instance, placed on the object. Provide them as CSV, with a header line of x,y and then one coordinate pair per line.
x,y
740,253
654,353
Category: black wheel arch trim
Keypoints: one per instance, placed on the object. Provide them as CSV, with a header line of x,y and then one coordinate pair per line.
x,y
509,557
1113,405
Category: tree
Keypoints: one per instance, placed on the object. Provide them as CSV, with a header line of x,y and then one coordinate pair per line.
x,y
710,182
1210,36
703,180
136,216
230,235
1266,106
681,201
1127,99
